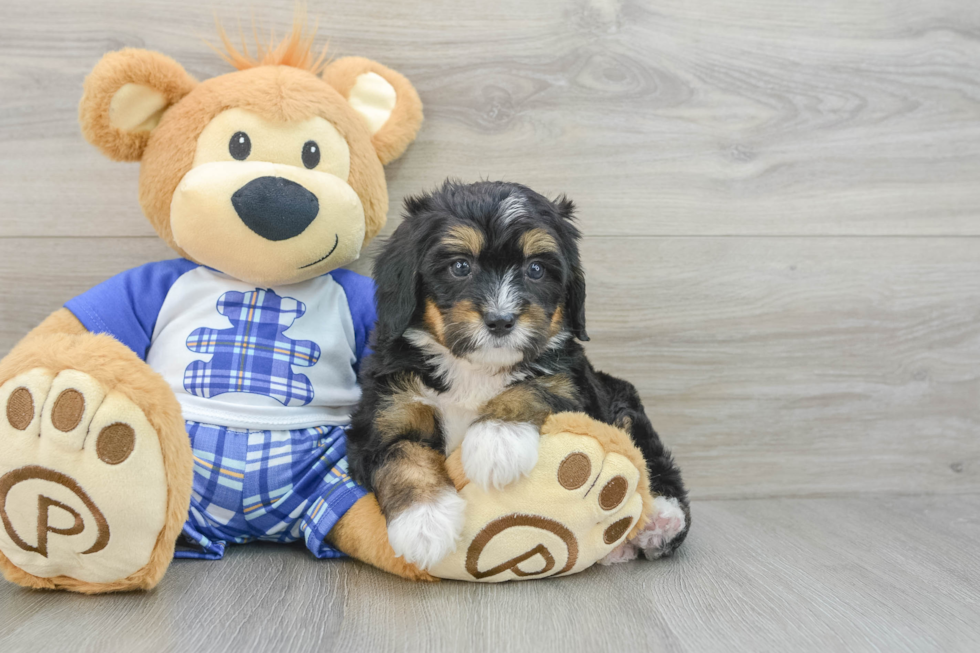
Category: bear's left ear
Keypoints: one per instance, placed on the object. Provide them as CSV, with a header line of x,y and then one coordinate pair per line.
x,y
386,100
124,98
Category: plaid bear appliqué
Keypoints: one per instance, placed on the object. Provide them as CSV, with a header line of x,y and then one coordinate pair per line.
x,y
253,355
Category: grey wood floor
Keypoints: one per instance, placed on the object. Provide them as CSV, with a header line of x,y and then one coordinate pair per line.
x,y
781,208
861,574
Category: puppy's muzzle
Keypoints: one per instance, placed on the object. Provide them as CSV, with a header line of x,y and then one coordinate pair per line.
x,y
275,208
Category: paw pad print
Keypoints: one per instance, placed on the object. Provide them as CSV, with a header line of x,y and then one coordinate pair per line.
x,y
576,470
575,507
254,355
83,489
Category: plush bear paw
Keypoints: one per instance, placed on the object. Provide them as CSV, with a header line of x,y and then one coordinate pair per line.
x,y
495,454
427,532
83,488
576,506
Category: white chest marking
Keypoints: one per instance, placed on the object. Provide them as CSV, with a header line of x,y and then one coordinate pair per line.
x,y
470,386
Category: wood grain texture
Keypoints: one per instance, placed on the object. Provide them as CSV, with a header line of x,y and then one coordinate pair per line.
x,y
772,366
884,574
659,118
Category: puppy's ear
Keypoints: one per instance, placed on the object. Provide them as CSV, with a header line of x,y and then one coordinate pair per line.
x,y
575,302
575,290
396,272
566,209
124,98
388,102
418,203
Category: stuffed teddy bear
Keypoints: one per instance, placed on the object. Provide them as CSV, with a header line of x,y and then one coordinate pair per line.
x,y
191,403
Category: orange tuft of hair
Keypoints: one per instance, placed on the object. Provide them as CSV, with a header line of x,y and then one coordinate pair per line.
x,y
296,50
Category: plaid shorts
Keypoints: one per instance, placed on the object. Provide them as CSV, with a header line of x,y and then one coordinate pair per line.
x,y
275,486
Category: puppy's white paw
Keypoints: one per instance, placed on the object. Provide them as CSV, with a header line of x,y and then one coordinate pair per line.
x,y
498,453
623,553
425,533
655,538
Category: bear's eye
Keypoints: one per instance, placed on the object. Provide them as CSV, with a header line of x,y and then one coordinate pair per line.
x,y
311,154
240,146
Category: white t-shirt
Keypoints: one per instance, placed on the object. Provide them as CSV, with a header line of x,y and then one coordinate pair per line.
x,y
235,355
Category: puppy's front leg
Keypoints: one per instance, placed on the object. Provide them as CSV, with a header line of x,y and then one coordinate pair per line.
x,y
419,502
502,444
394,447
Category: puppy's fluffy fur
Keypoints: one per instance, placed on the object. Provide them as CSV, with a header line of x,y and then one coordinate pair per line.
x,y
481,304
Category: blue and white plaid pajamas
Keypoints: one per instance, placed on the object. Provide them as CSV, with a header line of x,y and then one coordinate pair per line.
x,y
276,486
251,481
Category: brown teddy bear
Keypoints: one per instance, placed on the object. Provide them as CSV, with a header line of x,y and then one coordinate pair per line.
x,y
187,404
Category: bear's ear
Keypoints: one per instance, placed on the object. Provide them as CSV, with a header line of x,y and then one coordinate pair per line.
x,y
124,98
386,100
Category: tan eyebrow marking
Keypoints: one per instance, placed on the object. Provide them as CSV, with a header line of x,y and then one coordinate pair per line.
x,y
464,238
538,241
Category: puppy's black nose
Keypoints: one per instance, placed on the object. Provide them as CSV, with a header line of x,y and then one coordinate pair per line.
x,y
275,208
500,323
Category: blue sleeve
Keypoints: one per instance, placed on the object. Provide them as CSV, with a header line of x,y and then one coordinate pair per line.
x,y
360,297
127,305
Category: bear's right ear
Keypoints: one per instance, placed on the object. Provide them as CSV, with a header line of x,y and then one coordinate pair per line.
x,y
124,98
388,103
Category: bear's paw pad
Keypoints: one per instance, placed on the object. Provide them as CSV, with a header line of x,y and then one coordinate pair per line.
x,y
574,508
83,491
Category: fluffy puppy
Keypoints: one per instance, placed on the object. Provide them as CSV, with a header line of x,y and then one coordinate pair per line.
x,y
481,302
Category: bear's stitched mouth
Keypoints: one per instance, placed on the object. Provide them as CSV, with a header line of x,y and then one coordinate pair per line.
x,y
336,242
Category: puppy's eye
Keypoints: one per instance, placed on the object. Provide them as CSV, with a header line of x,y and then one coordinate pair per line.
x,y
460,268
240,146
311,154
535,271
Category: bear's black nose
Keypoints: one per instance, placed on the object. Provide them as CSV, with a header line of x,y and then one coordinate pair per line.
x,y
275,208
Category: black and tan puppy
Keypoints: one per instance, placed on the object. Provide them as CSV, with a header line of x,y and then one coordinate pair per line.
x,y
481,302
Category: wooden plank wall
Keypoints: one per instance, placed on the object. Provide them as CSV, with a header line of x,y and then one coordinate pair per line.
x,y
781,201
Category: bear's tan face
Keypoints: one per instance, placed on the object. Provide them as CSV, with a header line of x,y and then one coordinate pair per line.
x,y
277,191
271,174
